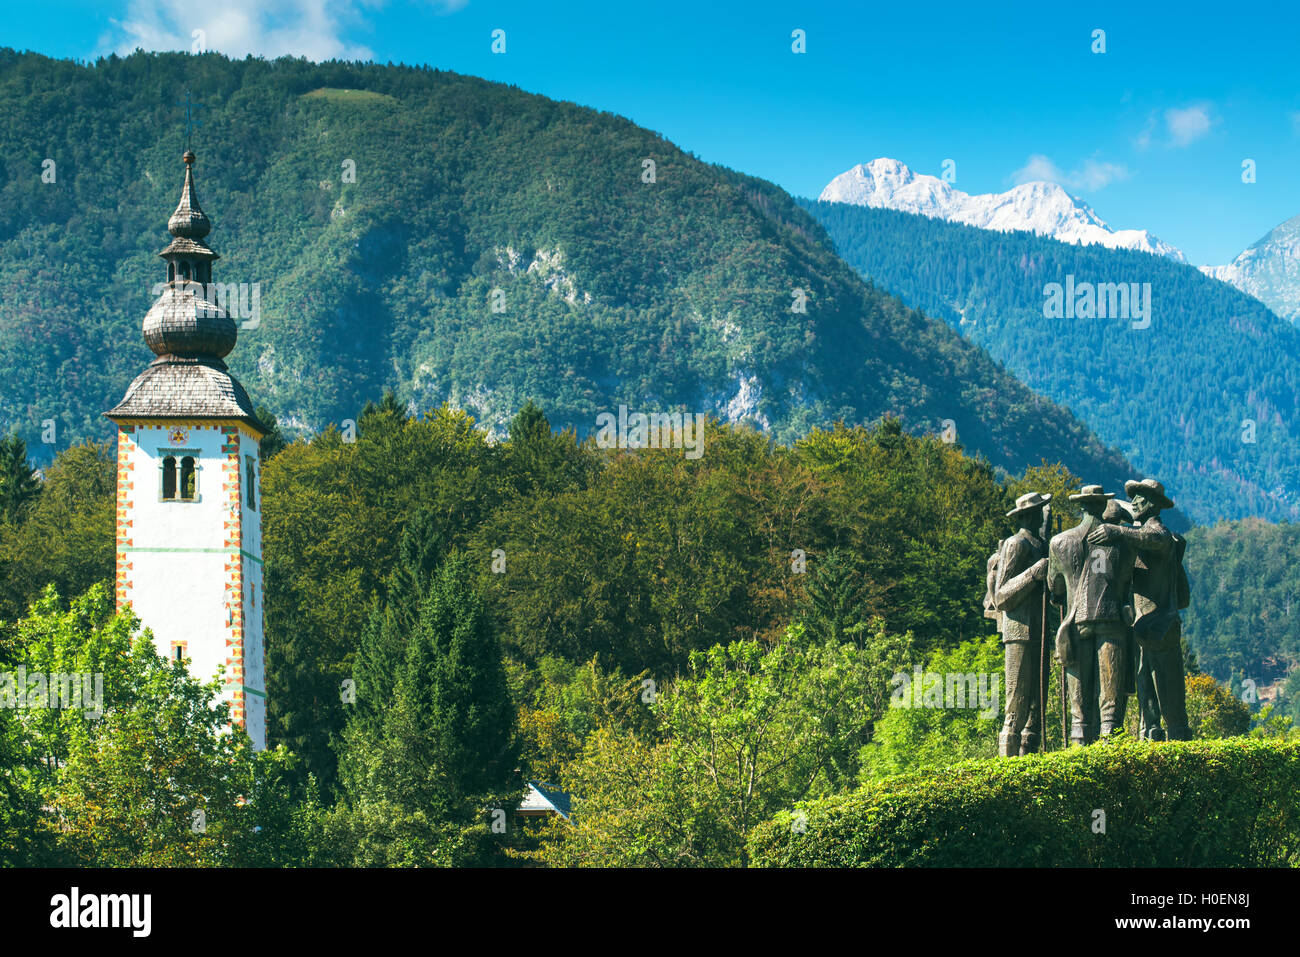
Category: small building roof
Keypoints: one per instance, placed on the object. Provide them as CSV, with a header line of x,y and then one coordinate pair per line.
x,y
542,798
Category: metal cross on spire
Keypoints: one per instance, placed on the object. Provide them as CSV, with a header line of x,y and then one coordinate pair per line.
x,y
190,121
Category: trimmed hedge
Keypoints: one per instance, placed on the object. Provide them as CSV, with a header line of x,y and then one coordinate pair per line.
x,y
1223,803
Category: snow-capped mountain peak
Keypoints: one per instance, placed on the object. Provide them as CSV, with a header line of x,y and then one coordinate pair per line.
x,y
1269,270
890,184
1039,207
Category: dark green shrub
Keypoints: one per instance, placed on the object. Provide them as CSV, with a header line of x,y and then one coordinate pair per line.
x,y
1201,804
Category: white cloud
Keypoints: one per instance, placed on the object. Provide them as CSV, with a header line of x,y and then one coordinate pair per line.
x,y
1037,169
1144,138
1188,124
314,29
1092,175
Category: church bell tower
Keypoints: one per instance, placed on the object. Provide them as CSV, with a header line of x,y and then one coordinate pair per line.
x,y
189,532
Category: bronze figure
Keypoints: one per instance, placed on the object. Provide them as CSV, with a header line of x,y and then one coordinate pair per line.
x,y
1092,642
1159,591
1017,573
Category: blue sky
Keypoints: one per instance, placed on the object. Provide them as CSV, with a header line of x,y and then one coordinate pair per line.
x,y
1152,133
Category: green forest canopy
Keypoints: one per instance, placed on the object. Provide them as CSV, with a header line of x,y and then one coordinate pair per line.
x,y
639,558
589,617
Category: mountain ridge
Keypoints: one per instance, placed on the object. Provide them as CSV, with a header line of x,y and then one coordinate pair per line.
x,y
1204,395
1039,207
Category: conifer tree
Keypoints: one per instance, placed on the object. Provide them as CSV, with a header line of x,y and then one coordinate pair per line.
x,y
837,597
452,718
18,482
543,460
382,651
420,777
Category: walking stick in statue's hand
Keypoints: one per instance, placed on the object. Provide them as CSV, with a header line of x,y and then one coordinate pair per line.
x,y
1043,671
1065,729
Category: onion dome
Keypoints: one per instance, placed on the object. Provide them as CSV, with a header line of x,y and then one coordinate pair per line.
x,y
183,323
189,221
189,333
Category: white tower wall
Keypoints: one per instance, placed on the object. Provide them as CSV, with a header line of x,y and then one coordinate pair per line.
x,y
191,569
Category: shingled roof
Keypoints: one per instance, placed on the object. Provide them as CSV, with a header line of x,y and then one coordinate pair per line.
x,y
189,335
176,387
182,322
188,247
189,220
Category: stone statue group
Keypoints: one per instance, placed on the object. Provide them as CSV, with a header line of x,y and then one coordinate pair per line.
x,y
1115,582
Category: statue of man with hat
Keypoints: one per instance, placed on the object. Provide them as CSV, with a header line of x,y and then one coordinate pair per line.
x,y
1120,512
1094,581
1018,574
1159,591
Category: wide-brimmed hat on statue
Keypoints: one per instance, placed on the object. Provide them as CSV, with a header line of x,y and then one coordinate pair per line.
x,y
1028,502
1117,511
1151,490
1091,493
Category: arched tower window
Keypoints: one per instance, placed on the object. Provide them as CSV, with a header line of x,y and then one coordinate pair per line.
x,y
250,482
171,272
169,478
189,479
185,271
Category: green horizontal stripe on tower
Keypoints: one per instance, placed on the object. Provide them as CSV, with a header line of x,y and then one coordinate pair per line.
x,y
260,694
214,551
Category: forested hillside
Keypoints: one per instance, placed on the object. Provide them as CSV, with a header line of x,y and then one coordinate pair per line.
x,y
1244,618
458,241
1204,398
